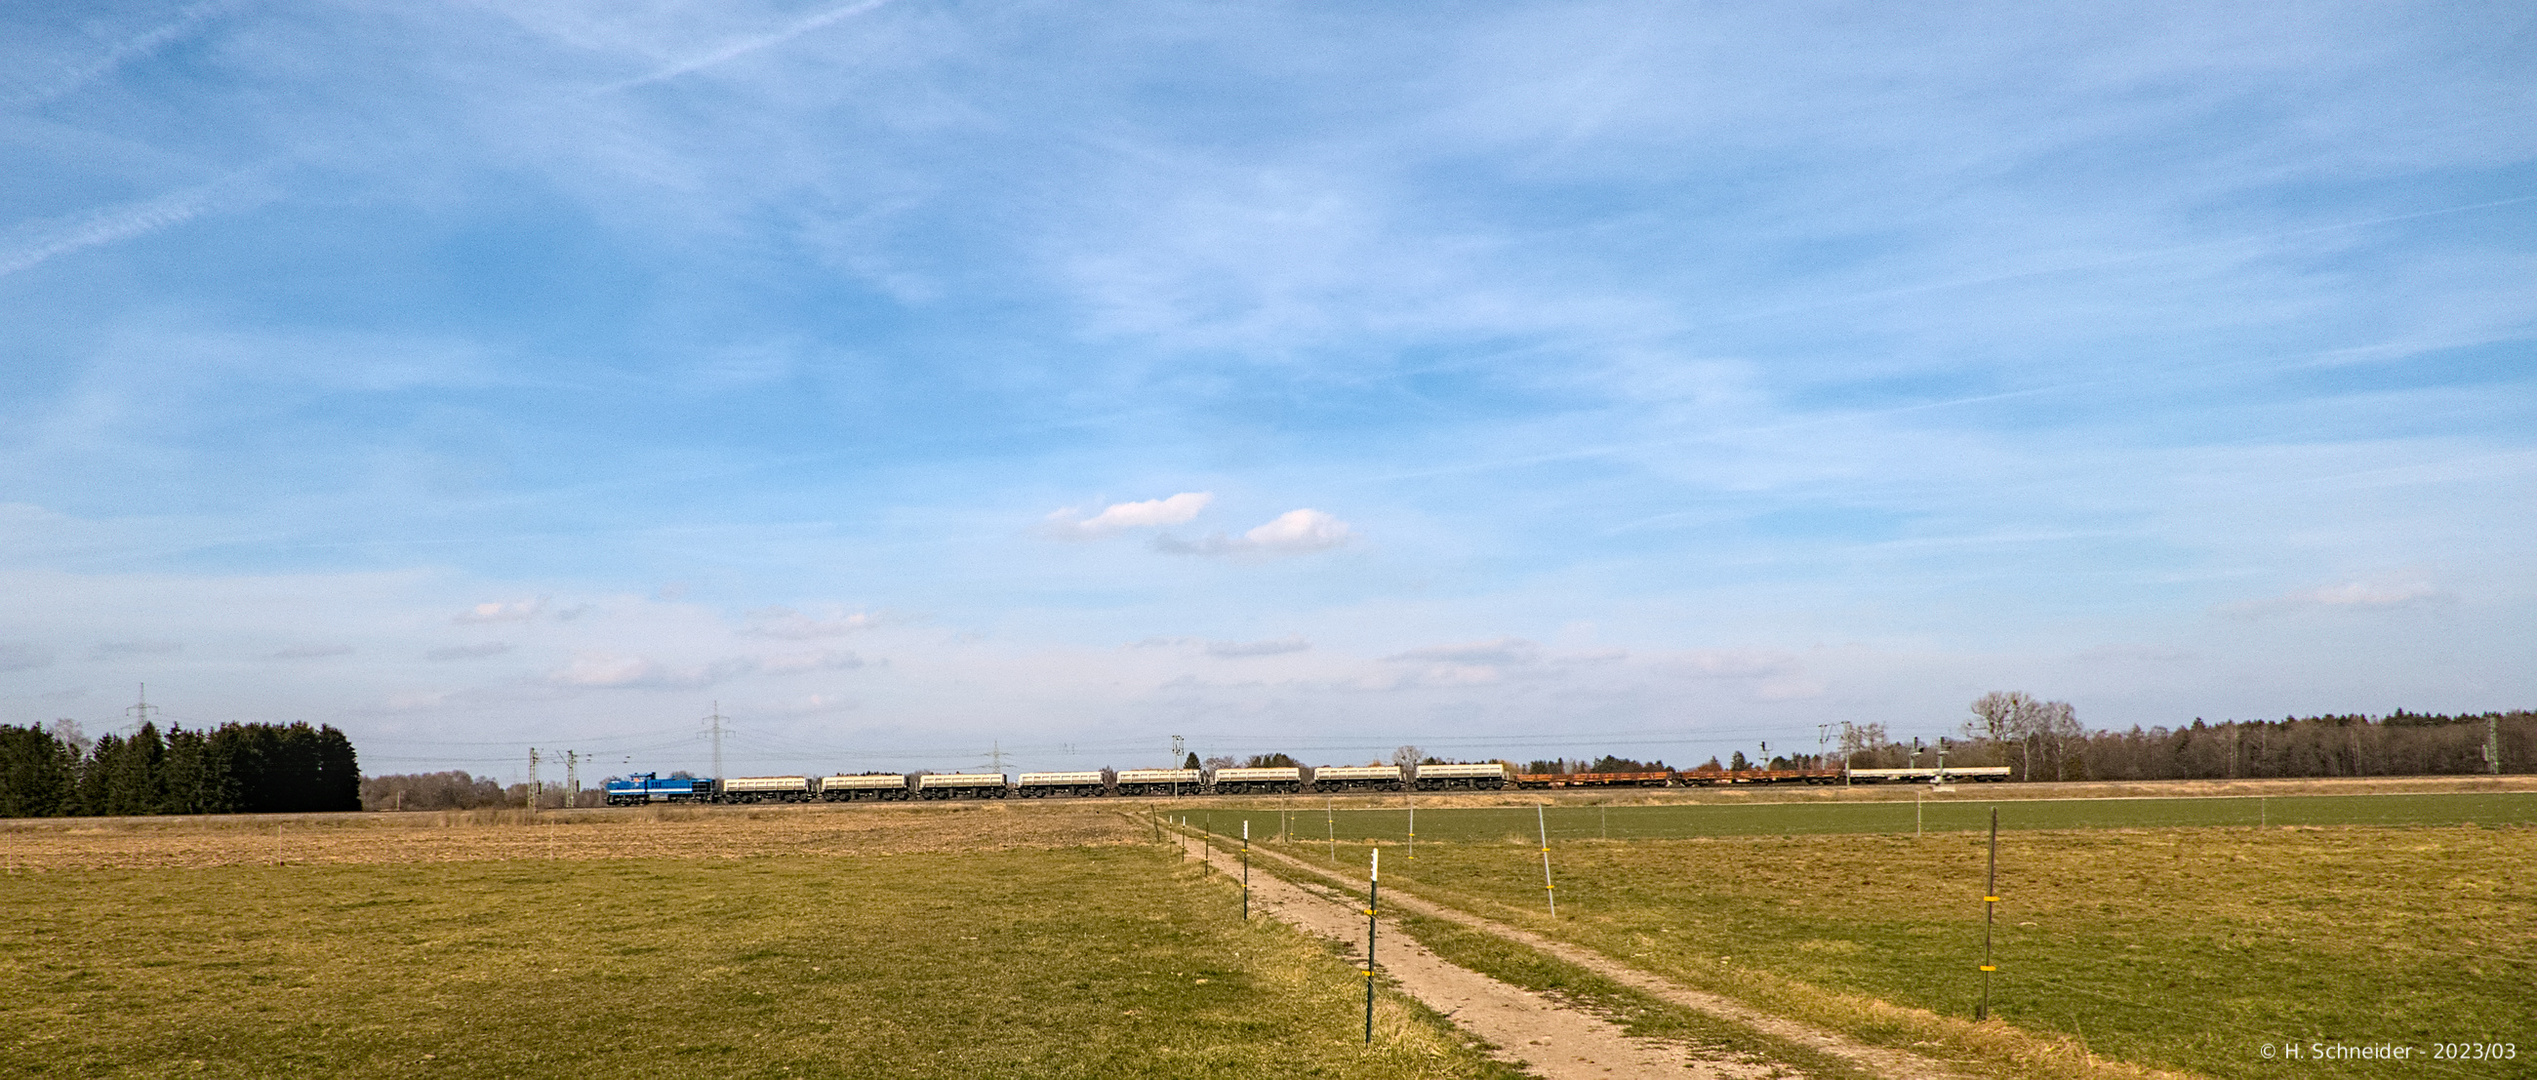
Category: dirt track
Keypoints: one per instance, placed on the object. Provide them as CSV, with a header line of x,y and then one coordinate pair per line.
x,y
1557,1041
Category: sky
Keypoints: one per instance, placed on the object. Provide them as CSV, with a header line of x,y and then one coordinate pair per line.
x,y
941,385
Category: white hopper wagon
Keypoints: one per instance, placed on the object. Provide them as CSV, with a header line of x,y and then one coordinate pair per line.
x,y
1159,781
1357,778
1041,785
1248,781
1490,776
864,786
756,789
962,785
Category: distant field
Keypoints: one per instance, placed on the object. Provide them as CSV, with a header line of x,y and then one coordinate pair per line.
x,y
1961,810
2181,947
1056,960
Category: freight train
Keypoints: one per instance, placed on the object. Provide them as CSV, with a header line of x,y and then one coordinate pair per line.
x,y
647,788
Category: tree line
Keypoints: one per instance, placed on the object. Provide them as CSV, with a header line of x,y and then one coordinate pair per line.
x,y
456,790
230,769
2044,740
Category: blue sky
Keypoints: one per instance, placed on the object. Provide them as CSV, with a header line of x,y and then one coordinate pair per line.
x,y
916,379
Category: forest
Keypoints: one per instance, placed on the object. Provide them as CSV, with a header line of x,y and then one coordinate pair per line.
x,y
2044,740
231,769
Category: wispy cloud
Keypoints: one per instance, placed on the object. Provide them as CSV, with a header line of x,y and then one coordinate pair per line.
x,y
799,663
113,224
785,622
1295,532
1070,524
597,670
24,656
2350,596
1502,652
501,611
187,22
745,46
617,671
1235,650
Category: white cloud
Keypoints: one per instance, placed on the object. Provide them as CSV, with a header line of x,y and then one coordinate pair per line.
x,y
2349,596
1292,643
2361,594
784,622
1069,524
1503,652
599,670
498,611
1300,530
1295,532
798,663
1228,650
1730,663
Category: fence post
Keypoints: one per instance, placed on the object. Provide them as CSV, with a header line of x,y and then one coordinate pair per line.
x,y
1543,822
1990,908
1373,894
1413,826
1246,869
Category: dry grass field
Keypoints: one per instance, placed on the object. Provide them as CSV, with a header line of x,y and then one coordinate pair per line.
x,y
875,942
478,835
2183,948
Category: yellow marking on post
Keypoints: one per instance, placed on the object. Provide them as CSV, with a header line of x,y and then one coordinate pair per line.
x,y
1990,899
1987,967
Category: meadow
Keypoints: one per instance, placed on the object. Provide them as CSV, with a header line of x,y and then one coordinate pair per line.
x,y
1063,945
1569,818
2158,932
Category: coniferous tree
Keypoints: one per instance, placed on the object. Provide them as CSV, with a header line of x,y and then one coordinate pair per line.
x,y
103,756
338,771
241,749
133,782
194,779
36,777
294,775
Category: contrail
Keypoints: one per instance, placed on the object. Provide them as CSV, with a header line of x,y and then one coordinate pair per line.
x,y
2099,263
751,45
146,43
112,224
